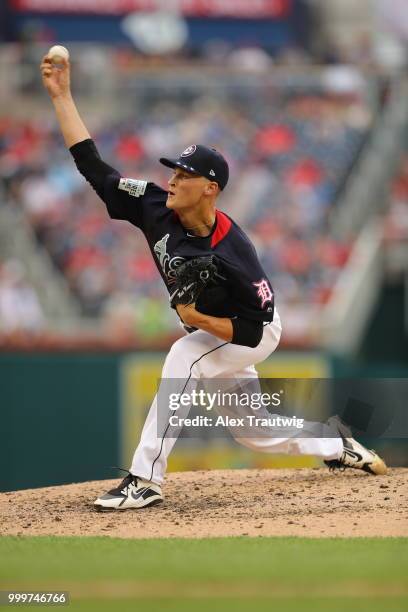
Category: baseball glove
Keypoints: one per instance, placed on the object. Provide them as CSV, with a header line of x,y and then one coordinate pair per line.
x,y
191,279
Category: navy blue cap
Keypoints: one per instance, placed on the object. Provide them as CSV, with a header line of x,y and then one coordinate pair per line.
x,y
203,161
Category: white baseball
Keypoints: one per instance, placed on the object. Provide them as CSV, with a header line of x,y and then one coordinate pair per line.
x,y
58,53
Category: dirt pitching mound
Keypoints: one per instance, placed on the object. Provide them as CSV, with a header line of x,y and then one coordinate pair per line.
x,y
302,502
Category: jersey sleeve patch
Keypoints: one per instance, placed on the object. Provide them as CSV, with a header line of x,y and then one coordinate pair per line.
x,y
264,293
134,187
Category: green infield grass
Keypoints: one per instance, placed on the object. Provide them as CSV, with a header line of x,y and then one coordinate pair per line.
x,y
213,574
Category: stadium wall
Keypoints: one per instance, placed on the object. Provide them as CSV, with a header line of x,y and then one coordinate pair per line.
x,y
72,417
59,418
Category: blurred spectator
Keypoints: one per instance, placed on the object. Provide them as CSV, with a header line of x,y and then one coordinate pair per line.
x,y
289,150
251,59
396,224
19,305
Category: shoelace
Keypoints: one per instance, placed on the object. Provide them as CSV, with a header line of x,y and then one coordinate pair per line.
x,y
127,481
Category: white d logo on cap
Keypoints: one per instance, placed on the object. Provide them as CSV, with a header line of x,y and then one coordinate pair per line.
x,y
189,151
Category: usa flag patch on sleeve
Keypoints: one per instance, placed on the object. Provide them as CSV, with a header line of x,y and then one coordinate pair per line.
x,y
134,187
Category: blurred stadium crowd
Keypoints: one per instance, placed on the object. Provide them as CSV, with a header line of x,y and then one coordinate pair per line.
x,y
298,104
20,308
396,221
291,131
289,151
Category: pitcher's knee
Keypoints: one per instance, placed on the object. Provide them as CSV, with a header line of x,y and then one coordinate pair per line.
x,y
181,361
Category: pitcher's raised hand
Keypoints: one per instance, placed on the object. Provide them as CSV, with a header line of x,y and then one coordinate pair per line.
x,y
56,77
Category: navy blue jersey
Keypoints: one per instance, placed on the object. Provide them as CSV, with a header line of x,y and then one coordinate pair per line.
x,y
242,290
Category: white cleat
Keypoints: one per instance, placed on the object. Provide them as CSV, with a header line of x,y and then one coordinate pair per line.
x,y
354,455
133,493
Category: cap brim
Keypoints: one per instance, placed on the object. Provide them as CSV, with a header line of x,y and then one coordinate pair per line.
x,y
176,163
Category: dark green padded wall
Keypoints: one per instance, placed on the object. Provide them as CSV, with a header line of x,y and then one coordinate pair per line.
x,y
59,418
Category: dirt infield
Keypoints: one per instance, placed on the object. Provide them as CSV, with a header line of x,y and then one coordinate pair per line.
x,y
303,502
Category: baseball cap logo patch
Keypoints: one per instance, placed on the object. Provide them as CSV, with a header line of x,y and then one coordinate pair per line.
x,y
189,151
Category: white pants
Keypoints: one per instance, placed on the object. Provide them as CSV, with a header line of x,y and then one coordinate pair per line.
x,y
202,355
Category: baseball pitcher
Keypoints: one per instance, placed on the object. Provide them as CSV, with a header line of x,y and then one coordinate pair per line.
x,y
215,283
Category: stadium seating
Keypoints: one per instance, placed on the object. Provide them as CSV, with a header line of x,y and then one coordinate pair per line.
x,y
289,153
396,221
20,309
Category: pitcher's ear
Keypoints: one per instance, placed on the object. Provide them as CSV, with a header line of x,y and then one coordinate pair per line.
x,y
212,189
